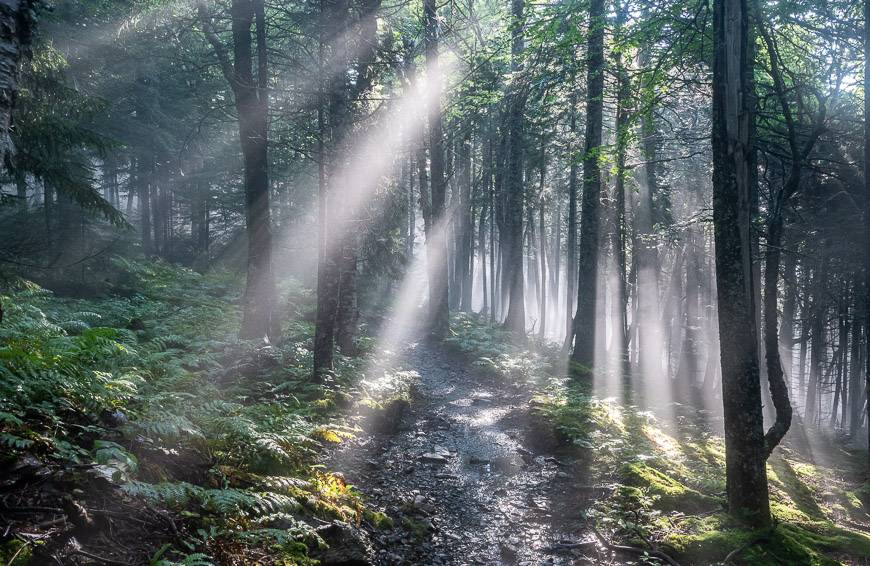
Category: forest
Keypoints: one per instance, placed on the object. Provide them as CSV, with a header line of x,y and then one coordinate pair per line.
x,y
456,282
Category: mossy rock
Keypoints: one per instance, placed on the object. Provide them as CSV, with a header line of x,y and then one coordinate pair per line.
x,y
672,495
378,519
419,529
387,416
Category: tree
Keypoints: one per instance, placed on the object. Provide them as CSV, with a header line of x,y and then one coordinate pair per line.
x,y
252,105
514,190
571,244
436,252
867,200
798,155
16,24
587,278
745,454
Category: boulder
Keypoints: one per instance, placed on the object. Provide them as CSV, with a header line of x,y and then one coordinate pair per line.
x,y
346,546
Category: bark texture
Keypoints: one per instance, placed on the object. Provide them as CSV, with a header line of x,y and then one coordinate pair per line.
x,y
745,454
16,25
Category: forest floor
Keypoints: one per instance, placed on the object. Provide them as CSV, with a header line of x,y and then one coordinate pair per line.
x,y
135,429
473,475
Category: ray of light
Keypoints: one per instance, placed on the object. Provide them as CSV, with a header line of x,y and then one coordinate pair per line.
x,y
357,173
407,312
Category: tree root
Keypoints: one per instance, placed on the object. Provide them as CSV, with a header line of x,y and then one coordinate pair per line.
x,y
763,537
652,551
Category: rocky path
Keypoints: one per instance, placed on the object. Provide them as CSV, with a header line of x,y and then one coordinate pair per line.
x,y
469,478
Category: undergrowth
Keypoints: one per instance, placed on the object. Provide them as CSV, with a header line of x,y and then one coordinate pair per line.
x,y
149,388
664,480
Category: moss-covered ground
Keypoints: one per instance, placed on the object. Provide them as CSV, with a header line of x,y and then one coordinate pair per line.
x,y
664,478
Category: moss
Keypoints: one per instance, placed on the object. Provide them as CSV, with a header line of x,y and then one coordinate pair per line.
x,y
419,529
853,500
793,480
672,495
786,512
704,540
863,494
710,539
330,435
378,520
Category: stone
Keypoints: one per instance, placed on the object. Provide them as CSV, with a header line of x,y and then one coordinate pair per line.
x,y
346,546
434,458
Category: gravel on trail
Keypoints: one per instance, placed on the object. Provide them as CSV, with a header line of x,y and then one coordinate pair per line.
x,y
471,475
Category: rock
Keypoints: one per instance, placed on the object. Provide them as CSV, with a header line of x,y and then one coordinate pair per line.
x,y
441,450
346,546
433,458
476,460
446,476
389,419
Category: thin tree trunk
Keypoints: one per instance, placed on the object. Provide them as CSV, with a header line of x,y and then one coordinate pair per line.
x,y
855,383
571,244
619,240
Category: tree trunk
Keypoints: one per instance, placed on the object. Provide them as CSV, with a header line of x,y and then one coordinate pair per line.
x,y
481,245
252,105
463,239
143,172
855,384
515,321
493,283
571,243
543,260
333,124
436,249
412,209
347,315
15,33
745,454
867,204
619,238
648,344
584,328
775,375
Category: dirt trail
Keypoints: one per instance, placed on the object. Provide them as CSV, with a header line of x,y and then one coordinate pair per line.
x,y
468,476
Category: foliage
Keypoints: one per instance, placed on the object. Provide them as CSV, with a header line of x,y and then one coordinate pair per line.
x,y
151,389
